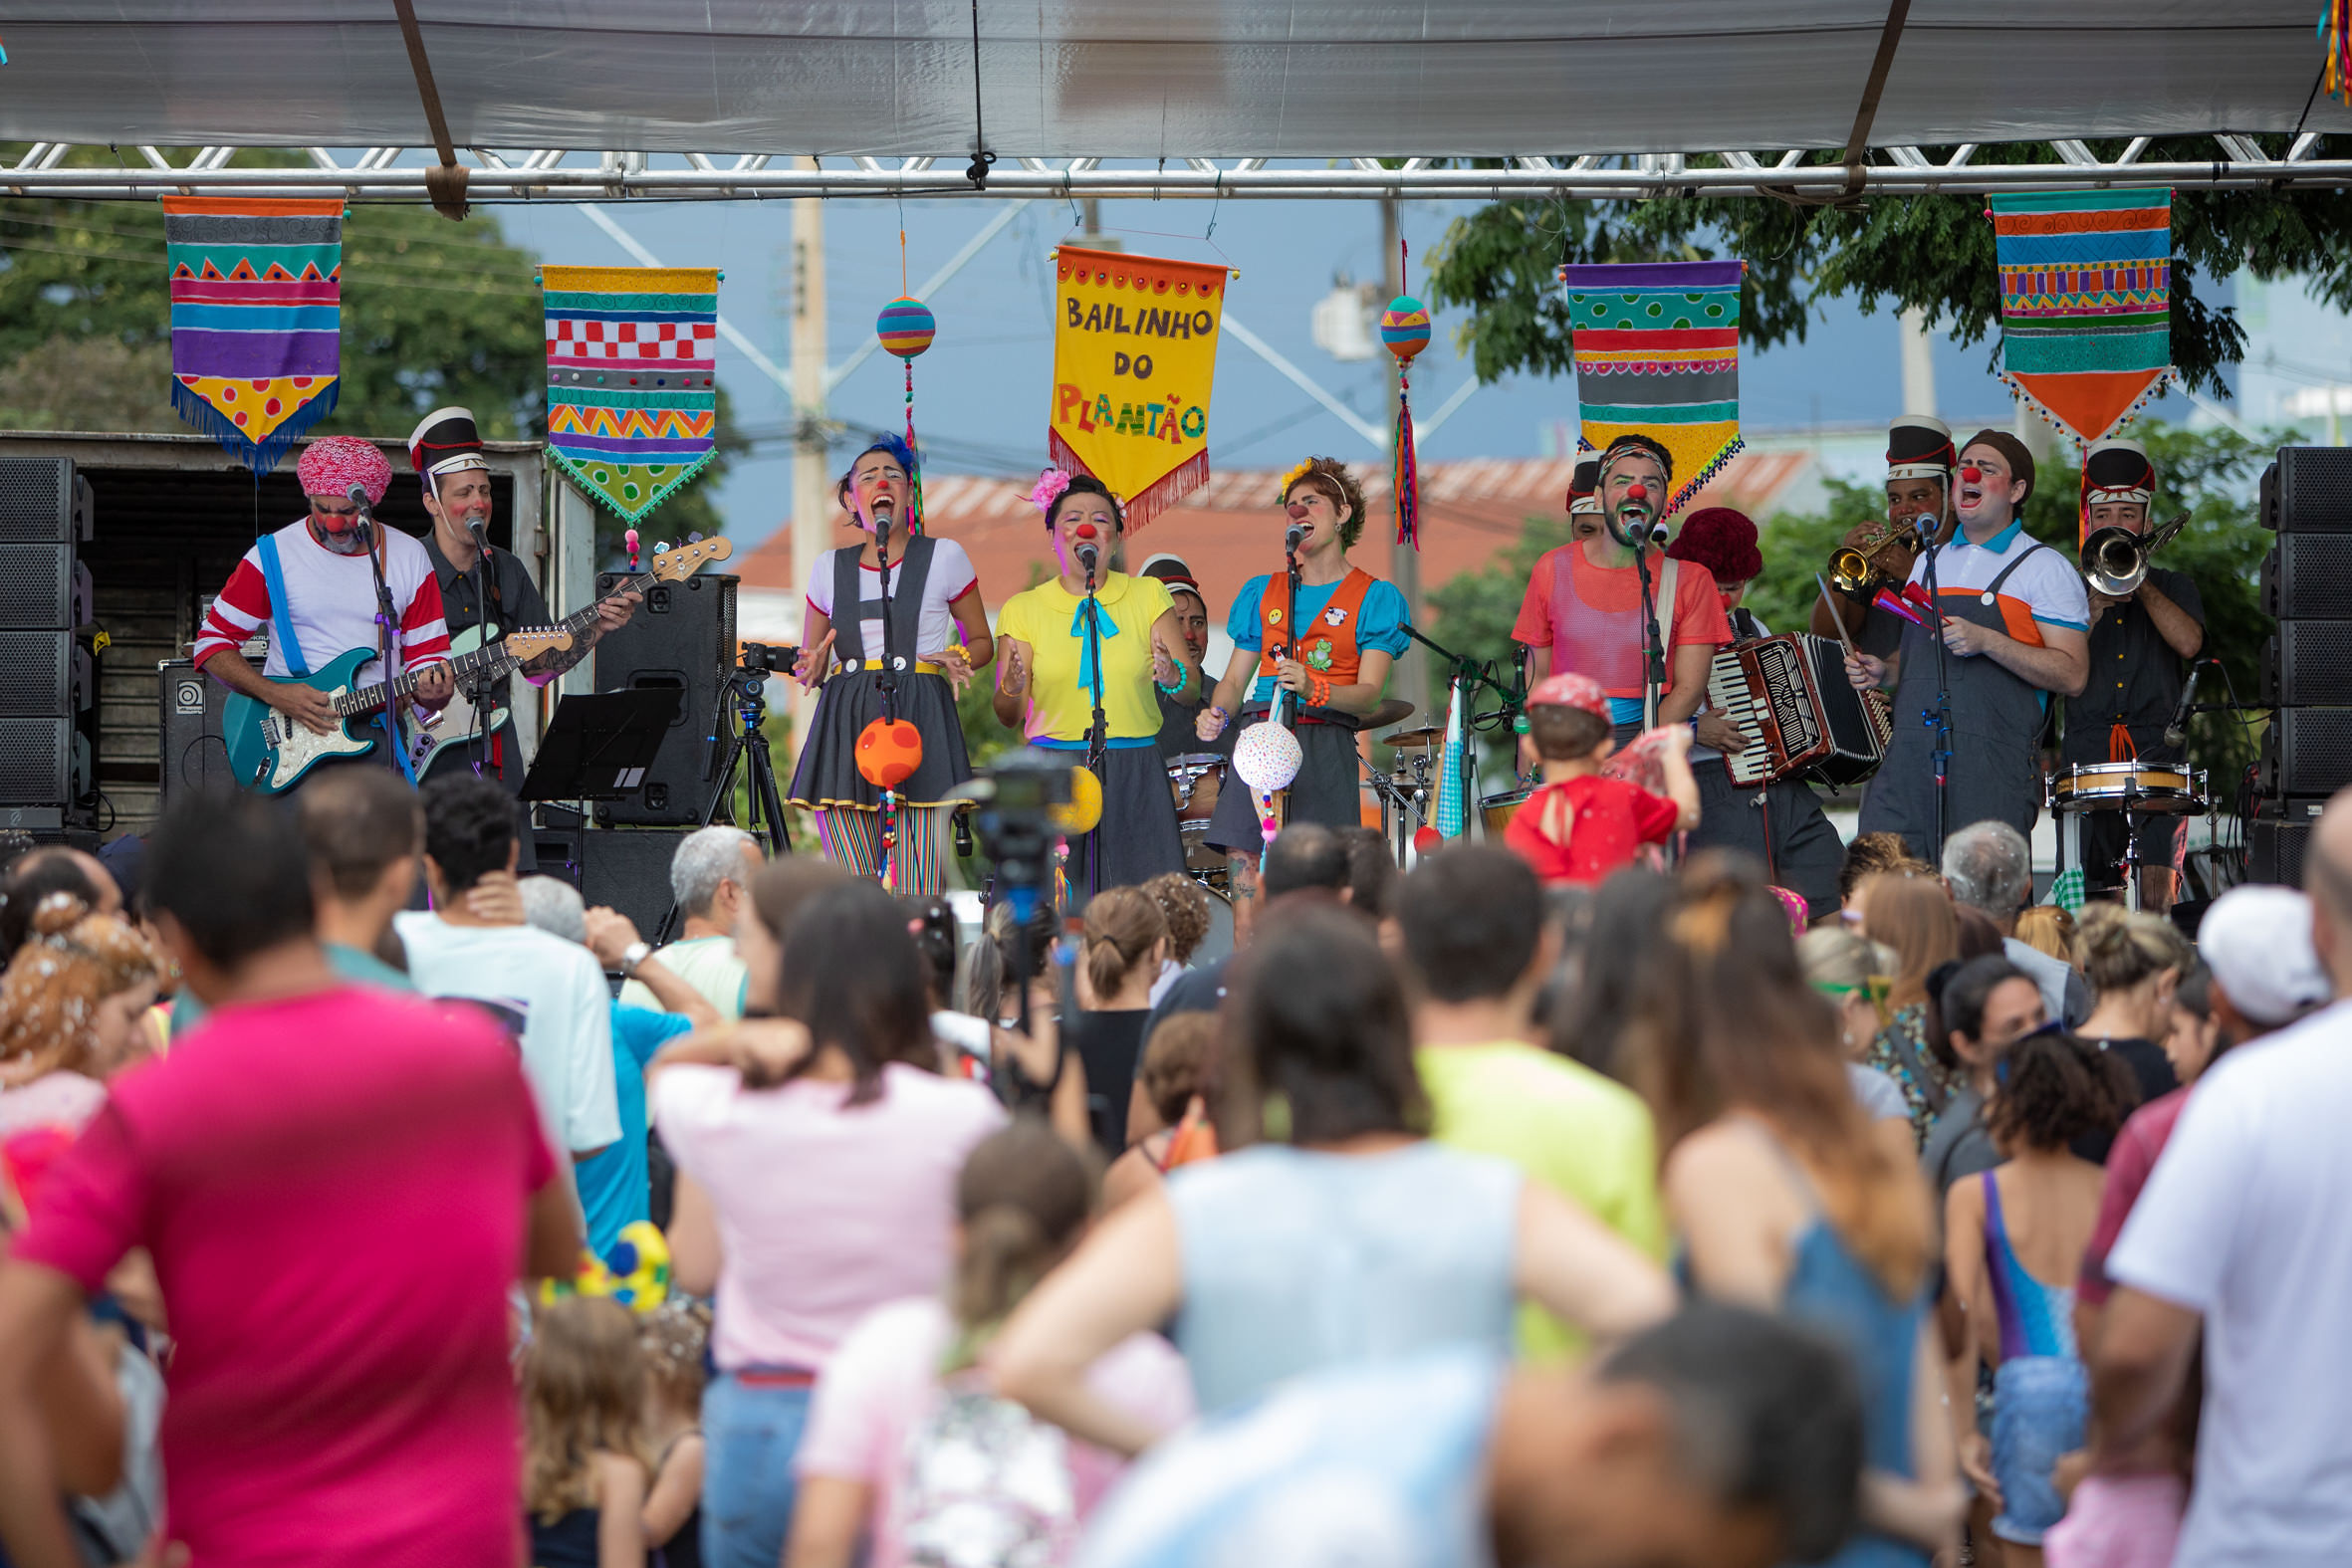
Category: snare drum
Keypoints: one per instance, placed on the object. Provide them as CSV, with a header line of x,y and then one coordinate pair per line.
x,y
1499,809
1194,780
2133,786
1204,865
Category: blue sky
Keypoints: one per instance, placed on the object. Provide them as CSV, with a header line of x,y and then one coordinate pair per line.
x,y
981,391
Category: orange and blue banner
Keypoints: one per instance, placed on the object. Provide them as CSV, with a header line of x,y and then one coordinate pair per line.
x,y
2085,303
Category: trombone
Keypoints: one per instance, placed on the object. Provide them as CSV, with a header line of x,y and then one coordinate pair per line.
x,y
1850,564
2115,560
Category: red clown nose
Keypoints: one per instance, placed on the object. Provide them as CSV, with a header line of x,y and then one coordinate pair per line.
x,y
1972,475
1637,493
1082,530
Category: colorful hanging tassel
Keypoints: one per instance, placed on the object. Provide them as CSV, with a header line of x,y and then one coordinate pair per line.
x,y
1404,328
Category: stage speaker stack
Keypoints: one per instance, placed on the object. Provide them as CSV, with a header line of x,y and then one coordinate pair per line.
x,y
683,637
48,670
2306,583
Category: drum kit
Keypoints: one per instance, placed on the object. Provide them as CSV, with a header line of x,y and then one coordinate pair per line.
x,y
2138,790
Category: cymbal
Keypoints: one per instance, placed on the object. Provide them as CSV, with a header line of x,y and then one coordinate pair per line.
x,y
1393,710
1416,740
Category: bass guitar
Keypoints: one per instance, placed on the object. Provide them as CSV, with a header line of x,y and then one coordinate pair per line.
x,y
270,753
425,736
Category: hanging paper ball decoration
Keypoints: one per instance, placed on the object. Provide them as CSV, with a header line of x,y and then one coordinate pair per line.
x,y
1266,757
906,326
1404,327
888,752
1083,810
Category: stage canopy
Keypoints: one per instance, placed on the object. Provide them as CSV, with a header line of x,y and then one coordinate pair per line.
x,y
1205,96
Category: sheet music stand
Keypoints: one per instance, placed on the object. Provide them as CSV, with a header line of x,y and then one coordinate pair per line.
x,y
600,746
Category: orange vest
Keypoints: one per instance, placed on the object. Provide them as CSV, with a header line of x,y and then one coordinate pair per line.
x,y
1326,647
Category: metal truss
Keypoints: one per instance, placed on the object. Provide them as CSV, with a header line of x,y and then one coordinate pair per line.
x,y
556,174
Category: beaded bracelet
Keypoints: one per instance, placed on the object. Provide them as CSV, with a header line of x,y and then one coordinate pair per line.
x,y
1319,691
1175,690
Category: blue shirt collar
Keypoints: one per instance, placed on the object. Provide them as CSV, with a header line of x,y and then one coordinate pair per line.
x,y
1998,543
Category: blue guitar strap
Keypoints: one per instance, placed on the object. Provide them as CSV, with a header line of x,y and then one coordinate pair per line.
x,y
281,624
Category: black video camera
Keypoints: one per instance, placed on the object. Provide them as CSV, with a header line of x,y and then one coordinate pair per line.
x,y
770,660
1015,818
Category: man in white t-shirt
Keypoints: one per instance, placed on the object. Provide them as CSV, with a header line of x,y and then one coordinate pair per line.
x,y
2244,1231
550,993
711,879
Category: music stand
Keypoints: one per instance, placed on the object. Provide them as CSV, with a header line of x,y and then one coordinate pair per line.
x,y
600,746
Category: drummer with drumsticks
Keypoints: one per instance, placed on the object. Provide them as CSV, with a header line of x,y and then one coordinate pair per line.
x,y
2141,643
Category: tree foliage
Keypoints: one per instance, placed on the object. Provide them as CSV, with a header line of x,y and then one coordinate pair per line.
x,y
434,312
1933,253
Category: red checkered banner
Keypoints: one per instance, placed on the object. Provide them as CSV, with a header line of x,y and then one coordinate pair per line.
x,y
632,385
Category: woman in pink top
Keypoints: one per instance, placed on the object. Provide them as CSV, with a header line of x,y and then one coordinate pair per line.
x,y
830,1172
907,1439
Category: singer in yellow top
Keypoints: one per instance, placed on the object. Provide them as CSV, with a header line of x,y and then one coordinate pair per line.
x,y
1065,652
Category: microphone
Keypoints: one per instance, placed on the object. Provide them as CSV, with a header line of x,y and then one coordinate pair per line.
x,y
1293,538
358,497
2176,732
1088,552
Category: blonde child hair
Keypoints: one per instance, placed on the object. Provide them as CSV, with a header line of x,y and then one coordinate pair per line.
x,y
584,1388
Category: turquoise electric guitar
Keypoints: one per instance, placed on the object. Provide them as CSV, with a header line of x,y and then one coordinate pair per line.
x,y
426,736
270,753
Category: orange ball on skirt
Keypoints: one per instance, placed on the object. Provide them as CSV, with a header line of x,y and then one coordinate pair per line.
x,y
888,752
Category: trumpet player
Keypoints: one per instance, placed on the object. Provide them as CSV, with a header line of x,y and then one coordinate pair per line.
x,y
1920,458
2142,636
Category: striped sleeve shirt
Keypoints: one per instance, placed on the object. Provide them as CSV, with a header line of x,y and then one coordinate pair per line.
x,y
331,604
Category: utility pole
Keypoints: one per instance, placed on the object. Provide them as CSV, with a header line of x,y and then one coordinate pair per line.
x,y
1404,562
1919,365
812,502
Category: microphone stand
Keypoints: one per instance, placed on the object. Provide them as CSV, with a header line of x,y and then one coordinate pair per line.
x,y
889,680
1098,728
478,689
1653,685
388,639
1940,721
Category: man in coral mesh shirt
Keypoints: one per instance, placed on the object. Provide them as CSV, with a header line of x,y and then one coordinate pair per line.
x,y
330,603
339,1186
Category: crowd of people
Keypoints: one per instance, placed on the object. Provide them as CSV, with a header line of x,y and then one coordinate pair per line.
x,y
1453,1219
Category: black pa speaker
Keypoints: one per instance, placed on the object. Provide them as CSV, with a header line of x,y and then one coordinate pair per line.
x,y
683,636
187,722
2308,489
2308,576
630,870
2279,835
2307,752
2308,663
43,502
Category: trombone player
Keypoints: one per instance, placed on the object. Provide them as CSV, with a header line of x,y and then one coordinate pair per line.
x,y
2144,631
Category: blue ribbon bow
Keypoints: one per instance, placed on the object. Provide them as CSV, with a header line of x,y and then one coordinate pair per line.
x,y
1104,627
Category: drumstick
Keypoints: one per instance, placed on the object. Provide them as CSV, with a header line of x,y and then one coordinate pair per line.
x,y
1835,619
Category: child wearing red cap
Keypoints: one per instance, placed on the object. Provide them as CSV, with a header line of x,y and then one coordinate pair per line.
x,y
1583,824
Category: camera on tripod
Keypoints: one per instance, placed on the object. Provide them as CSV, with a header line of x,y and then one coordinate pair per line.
x,y
757,662
1014,818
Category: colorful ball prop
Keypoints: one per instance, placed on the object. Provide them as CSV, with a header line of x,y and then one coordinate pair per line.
x,y
1266,757
1083,810
888,752
906,328
1404,327
636,1273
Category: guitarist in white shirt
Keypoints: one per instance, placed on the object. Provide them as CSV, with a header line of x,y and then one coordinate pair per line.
x,y
324,599
484,591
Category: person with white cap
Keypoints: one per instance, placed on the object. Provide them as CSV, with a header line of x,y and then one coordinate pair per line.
x,y
2140,646
486,593
2242,1233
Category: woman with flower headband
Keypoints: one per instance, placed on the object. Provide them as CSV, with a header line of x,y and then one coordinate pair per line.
x,y
938,634
1332,648
1054,674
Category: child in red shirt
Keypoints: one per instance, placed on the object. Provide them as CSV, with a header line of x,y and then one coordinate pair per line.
x,y
1582,824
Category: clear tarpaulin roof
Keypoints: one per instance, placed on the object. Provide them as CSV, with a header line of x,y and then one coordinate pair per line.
x,y
1155,79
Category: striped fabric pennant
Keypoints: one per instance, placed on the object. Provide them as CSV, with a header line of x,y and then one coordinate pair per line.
x,y
1657,348
256,318
2085,303
633,383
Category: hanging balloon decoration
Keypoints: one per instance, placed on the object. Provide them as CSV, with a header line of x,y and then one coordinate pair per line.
x,y
906,328
1404,328
1266,757
888,752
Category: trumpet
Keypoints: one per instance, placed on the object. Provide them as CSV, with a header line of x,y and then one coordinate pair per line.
x,y
2115,560
1850,564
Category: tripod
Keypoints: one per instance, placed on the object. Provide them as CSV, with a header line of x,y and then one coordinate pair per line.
x,y
748,745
